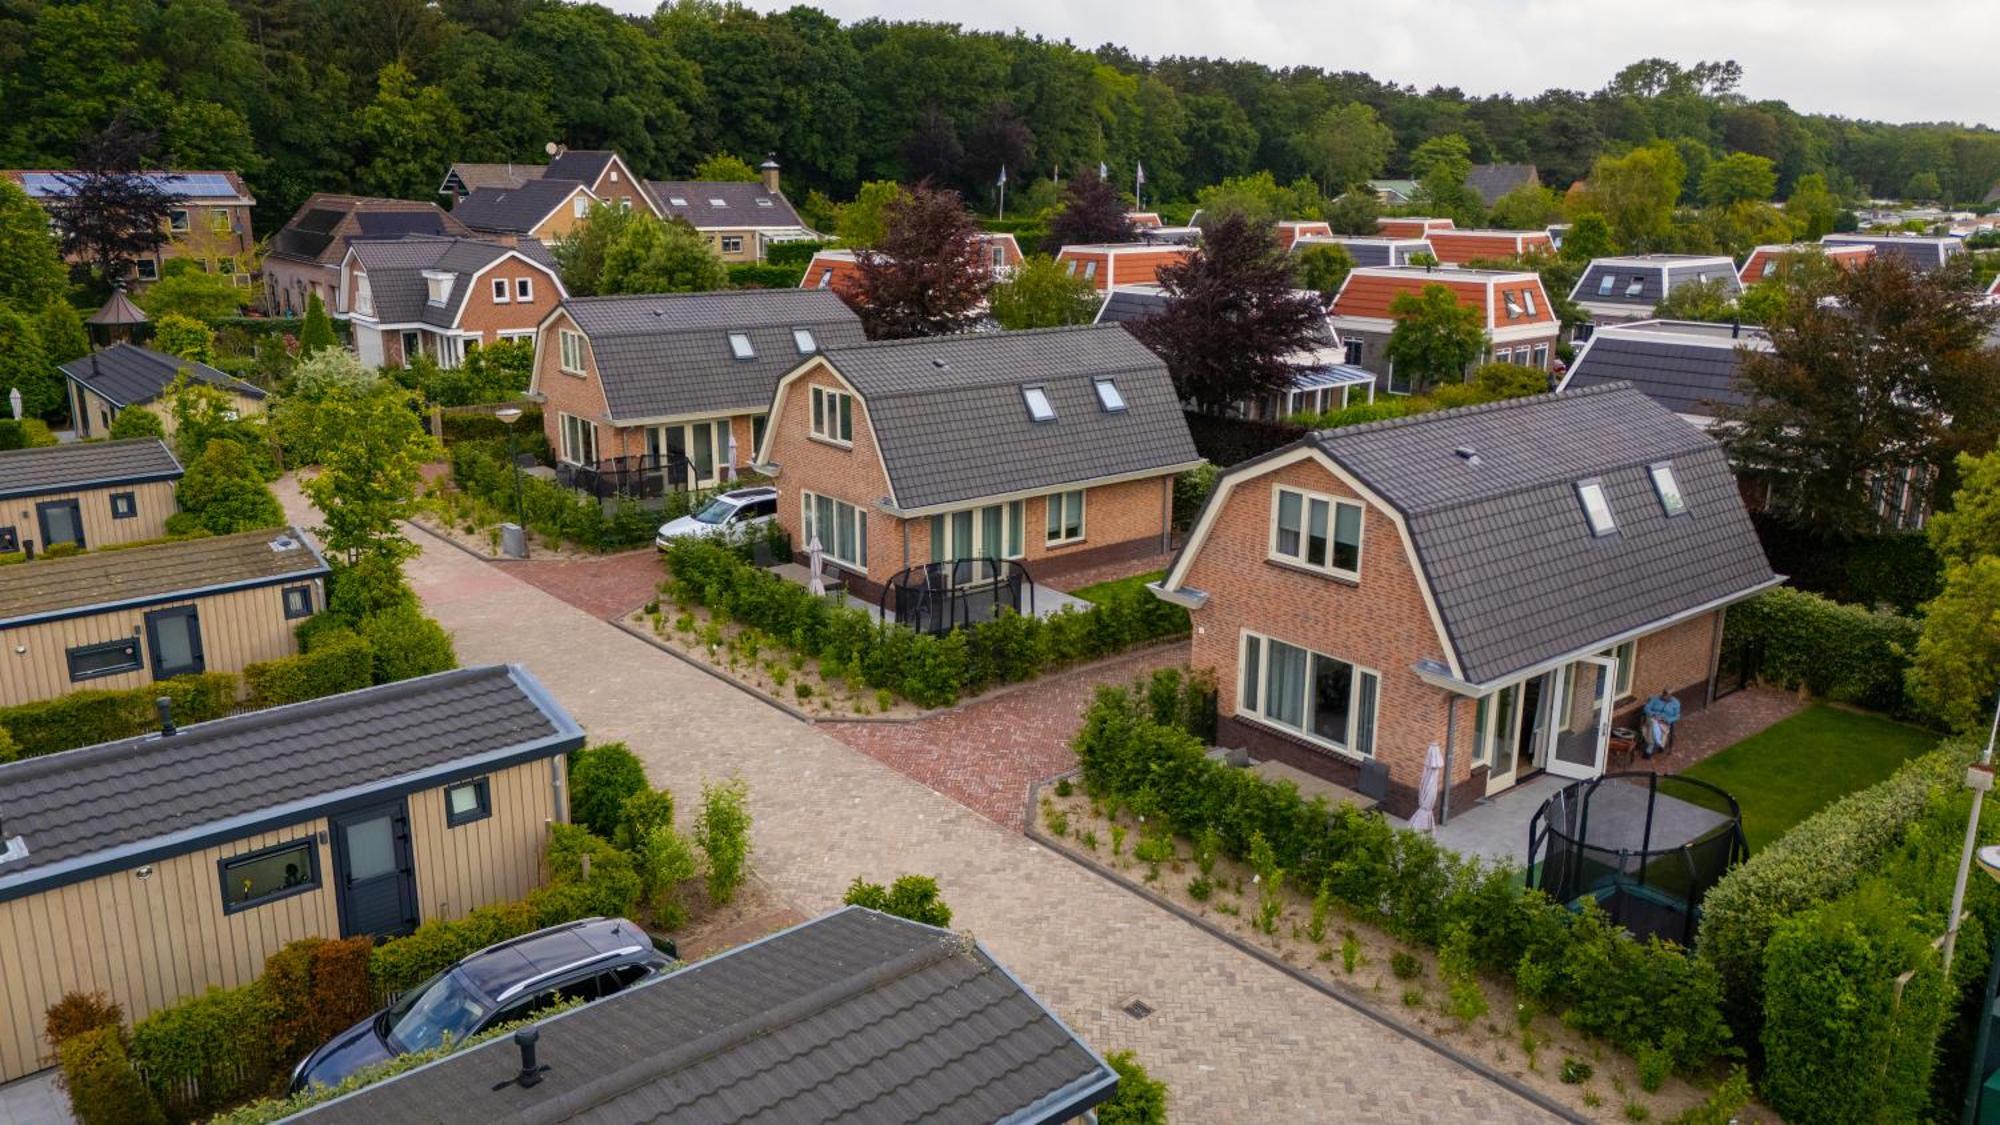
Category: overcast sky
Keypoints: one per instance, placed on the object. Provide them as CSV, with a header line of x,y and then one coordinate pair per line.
x,y
1908,60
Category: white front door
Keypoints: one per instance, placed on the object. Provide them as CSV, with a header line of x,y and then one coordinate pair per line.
x,y
1583,723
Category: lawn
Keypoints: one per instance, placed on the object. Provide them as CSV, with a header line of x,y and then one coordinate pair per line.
x,y
1787,772
1103,591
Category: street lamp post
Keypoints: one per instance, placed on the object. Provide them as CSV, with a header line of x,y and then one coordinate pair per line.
x,y
1979,779
510,415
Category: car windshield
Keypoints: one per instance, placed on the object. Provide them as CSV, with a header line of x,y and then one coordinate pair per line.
x,y
442,1006
717,511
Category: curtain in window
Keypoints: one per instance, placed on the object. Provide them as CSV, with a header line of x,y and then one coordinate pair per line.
x,y
1288,523
1285,695
1332,698
1316,521
1364,717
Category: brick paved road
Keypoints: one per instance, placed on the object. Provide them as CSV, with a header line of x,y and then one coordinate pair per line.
x,y
1234,1039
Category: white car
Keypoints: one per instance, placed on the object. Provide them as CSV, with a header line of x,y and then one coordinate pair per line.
x,y
731,513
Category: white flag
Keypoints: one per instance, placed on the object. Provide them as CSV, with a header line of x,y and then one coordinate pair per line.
x,y
1003,174
1141,172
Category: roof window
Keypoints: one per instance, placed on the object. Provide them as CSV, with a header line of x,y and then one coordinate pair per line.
x,y
1039,407
763,202
739,343
713,201
678,200
1596,508
1605,283
803,337
1513,304
1635,286
1669,489
1109,396
1528,300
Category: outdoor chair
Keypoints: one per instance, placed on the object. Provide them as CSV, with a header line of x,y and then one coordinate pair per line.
x,y
1374,782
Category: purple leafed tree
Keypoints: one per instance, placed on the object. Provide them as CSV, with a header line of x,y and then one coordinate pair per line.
x,y
112,214
1092,212
930,273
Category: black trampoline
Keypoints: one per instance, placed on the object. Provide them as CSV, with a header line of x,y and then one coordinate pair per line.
x,y
1643,846
939,597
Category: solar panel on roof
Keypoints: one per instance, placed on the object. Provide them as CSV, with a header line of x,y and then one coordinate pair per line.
x,y
319,220
378,223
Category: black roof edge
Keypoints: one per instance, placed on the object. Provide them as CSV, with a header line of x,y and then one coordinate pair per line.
x,y
95,608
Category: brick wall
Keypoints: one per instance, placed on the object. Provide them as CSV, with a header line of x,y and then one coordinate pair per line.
x,y
489,318
1678,658
564,393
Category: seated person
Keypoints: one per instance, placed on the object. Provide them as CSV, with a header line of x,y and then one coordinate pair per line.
x,y
1656,725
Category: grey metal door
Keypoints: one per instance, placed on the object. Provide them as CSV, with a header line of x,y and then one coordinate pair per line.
x,y
173,642
62,522
373,876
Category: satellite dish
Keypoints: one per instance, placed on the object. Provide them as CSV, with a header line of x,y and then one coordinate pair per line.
x,y
552,148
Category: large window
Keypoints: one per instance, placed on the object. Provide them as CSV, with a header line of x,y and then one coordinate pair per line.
x,y
1325,699
833,415
1627,657
1317,531
572,351
268,875
1065,517
579,440
87,662
994,531
842,529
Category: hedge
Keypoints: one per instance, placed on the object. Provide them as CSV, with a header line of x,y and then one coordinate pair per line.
x,y
208,1051
601,780
796,253
1632,994
481,469
747,275
103,1087
337,661
480,425
84,718
930,671
1897,569
1846,653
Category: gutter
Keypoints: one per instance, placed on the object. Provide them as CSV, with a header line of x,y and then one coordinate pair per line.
x,y
1040,490
1183,596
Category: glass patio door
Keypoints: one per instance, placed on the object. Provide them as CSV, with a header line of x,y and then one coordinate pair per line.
x,y
1583,726
1499,724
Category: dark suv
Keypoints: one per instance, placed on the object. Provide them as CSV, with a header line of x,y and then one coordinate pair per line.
x,y
585,960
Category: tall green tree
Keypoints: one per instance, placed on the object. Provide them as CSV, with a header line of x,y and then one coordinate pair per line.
x,y
580,253
184,337
865,221
660,256
1354,212
1739,177
35,274
25,367
194,294
1436,339
1322,267
723,167
408,134
372,449
1812,208
1442,165
1345,146
222,491
1957,661
1636,194
1042,294
317,332
63,336
1527,207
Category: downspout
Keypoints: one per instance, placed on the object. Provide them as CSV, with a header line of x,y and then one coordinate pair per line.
x,y
1714,656
1166,514
1450,736
558,807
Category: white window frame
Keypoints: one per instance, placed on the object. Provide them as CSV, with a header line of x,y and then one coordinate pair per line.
x,y
1503,355
740,346
830,544
179,220
1040,407
1668,488
1056,523
501,291
832,416
825,279
1627,656
1513,302
1333,504
1542,356
1251,697
580,206
802,339
574,433
1636,286
1528,300
1108,395
732,244
571,356
364,296
1596,504
1606,284
524,290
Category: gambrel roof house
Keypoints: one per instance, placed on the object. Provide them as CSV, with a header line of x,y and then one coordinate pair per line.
x,y
1371,251
1689,367
437,296
840,270
604,172
1766,262
1627,288
305,255
1459,246
1921,251
1514,310
543,209
1109,265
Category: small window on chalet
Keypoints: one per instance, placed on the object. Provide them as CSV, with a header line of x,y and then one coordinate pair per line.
x,y
87,662
1109,396
1596,508
1039,407
1669,489
298,602
268,875
1090,271
124,505
1605,283
1635,286
739,345
467,801
803,337
1770,267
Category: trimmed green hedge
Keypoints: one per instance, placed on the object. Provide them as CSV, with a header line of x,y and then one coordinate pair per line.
x,y
796,253
103,1087
84,718
473,425
338,660
750,275
927,670
481,469
1846,653
1632,994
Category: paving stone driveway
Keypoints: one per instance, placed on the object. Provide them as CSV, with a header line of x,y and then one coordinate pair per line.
x,y
1234,1039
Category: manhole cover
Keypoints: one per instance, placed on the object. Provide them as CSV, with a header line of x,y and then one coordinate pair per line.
x,y
1138,1009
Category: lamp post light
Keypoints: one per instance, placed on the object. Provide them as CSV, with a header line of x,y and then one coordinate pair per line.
x,y
1979,779
509,415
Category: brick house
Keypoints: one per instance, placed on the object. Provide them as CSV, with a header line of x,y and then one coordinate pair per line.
x,y
668,382
1455,247
209,224
1107,266
128,377
1767,262
1291,230
605,173
1614,290
543,210
1397,226
1504,581
1521,327
305,255
442,296
1054,447
740,220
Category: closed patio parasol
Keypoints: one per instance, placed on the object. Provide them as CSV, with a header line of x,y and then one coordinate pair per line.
x,y
1425,818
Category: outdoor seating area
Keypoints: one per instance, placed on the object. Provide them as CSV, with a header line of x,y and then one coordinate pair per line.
x,y
939,608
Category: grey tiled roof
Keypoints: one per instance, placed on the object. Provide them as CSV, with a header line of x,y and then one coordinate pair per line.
x,y
127,374
744,204
513,210
1922,252
1689,369
582,165
666,355
396,275
1127,305
319,231
68,586
1516,574
1372,251
81,465
1492,181
852,1017
152,796
471,177
1658,274
952,426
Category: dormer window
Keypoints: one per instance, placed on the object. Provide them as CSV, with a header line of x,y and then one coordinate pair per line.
x,y
1605,283
1596,509
803,337
739,346
1636,286
826,279
1770,267
1040,409
1513,304
1090,270
438,285
1109,396
1668,489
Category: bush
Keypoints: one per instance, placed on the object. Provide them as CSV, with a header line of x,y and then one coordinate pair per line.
x,y
723,831
748,275
402,964
601,779
643,812
1841,652
84,718
223,491
1191,490
368,586
1141,1099
103,1087
209,1051
337,661
611,890
527,431
1896,569
78,1012
136,423
666,859
317,988
912,896
407,644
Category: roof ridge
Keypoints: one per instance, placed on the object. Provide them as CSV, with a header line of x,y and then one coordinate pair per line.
x,y
1464,411
916,341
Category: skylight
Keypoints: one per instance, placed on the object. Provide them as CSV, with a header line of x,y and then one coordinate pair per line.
x,y
1595,507
1605,283
1669,489
1635,286
803,337
1039,407
714,202
1513,304
1109,396
740,344
1528,299
763,202
678,200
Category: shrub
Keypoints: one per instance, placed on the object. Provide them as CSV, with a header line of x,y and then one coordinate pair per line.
x,y
611,890
406,962
641,813
601,778
367,587
224,492
406,644
912,896
1405,965
1841,652
78,1012
1141,1099
208,1051
339,660
723,831
317,988
84,718
1575,1071
527,431
103,1087
139,423
666,860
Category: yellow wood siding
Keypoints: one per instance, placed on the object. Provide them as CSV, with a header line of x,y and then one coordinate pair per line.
x,y
238,628
491,860
155,500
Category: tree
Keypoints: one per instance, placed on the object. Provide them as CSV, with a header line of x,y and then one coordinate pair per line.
x,y
192,293
203,413
1812,209
865,221
136,422
317,332
222,491
1923,187
1871,371
1345,146
580,253
185,337
1441,166
372,450
109,214
1741,227
407,133
25,367
1323,267
914,897
1526,207
1092,213
661,256
930,273
1702,299
1354,212
1957,660
1436,339
1043,294
1234,324
1738,178
35,274
724,167
1258,199
62,333
1636,194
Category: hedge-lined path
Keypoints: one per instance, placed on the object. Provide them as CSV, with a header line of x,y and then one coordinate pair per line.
x,y
1234,1039
987,753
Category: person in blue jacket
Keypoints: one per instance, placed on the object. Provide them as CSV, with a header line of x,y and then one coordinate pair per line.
x,y
1658,717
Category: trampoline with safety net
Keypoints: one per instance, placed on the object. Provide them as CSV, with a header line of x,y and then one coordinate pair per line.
x,y
1645,847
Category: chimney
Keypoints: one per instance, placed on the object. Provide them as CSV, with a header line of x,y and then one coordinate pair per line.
x,y
768,171
165,706
531,1074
